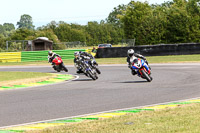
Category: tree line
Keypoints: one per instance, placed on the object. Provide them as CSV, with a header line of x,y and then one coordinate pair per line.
x,y
176,21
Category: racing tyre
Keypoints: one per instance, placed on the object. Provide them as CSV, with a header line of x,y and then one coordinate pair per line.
x,y
146,76
56,68
92,75
98,71
65,69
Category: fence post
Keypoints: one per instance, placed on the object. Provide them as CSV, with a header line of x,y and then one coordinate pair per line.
x,y
7,45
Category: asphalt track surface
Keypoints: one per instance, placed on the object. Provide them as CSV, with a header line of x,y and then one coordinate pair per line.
x,y
115,89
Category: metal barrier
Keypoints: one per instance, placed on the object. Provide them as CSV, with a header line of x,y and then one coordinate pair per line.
x,y
10,57
28,56
151,50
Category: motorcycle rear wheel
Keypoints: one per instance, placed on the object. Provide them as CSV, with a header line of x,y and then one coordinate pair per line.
x,y
64,68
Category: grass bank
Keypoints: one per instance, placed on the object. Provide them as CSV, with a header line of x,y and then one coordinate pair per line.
x,y
151,59
184,119
154,59
10,78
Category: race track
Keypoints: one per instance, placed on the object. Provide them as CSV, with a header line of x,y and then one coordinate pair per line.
x,y
115,89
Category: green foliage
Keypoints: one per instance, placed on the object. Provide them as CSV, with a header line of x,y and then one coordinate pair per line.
x,y
26,22
138,22
47,33
8,26
170,22
91,34
66,33
6,29
103,33
114,16
22,34
2,42
2,30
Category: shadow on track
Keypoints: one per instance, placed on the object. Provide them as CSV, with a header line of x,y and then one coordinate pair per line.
x,y
83,80
132,82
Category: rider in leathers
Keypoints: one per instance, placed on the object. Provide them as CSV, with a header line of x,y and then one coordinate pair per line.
x,y
51,56
131,57
83,55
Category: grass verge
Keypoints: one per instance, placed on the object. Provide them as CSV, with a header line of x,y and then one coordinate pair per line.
x,y
11,78
184,119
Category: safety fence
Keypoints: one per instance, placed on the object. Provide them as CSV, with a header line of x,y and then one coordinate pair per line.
x,y
28,56
10,57
151,50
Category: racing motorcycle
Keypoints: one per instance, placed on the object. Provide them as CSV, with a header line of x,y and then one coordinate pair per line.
x,y
87,69
95,66
58,65
140,67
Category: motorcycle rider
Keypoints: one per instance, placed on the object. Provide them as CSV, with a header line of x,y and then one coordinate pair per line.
x,y
51,56
84,55
132,56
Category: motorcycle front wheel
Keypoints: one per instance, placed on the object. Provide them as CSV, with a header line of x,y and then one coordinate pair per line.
x,y
92,75
98,71
146,76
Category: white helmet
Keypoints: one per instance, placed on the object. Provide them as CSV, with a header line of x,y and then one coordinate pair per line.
x,y
51,53
76,53
130,52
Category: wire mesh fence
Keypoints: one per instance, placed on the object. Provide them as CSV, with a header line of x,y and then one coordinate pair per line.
x,y
76,44
128,42
19,45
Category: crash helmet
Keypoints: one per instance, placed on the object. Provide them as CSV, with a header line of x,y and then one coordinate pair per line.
x,y
76,54
130,52
80,52
50,53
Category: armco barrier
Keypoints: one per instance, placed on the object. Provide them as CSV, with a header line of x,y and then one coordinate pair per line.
x,y
151,50
67,54
27,56
10,57
34,56
42,55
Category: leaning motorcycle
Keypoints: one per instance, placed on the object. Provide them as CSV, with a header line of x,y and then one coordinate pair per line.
x,y
58,65
95,66
88,70
141,68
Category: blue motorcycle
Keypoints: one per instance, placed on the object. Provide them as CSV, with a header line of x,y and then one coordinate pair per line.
x,y
88,70
142,69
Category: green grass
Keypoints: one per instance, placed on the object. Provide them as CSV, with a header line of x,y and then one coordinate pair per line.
x,y
10,76
182,119
174,59
151,59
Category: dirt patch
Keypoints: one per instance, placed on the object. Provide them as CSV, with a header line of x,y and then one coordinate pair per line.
x,y
25,81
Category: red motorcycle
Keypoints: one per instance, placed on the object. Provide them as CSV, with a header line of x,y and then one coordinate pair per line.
x,y
58,65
